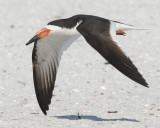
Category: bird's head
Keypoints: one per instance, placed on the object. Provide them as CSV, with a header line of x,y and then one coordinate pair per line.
x,y
58,26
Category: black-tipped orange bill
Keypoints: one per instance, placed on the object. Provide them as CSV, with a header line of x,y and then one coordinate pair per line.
x,y
41,34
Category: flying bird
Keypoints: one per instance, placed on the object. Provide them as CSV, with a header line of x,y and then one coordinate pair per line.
x,y
58,35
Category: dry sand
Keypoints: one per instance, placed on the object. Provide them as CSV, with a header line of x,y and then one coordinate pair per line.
x,y
84,83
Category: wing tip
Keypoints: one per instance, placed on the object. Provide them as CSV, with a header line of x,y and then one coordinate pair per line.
x,y
44,112
145,84
44,109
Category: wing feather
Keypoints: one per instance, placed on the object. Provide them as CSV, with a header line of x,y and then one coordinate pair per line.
x,y
44,71
102,41
45,57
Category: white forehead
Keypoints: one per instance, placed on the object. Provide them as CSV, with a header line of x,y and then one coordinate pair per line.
x,y
62,31
53,27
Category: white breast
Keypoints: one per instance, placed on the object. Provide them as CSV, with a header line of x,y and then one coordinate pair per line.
x,y
59,39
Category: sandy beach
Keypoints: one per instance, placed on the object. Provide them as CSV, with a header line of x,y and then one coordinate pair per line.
x,y
84,84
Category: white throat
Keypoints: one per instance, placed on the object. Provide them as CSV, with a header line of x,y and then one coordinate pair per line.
x,y
61,38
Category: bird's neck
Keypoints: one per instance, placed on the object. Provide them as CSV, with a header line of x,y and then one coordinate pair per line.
x,y
63,31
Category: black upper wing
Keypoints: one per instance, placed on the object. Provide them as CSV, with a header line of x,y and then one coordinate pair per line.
x,y
98,35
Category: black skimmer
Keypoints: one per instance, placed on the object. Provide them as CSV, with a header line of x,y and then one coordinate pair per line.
x,y
51,41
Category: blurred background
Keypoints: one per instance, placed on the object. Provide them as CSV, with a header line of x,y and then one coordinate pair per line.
x,y
84,83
